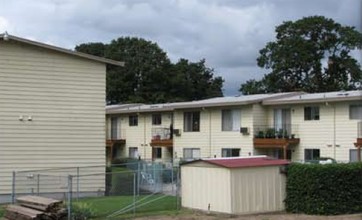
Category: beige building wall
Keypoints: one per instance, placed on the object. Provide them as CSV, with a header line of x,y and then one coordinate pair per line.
x,y
51,110
139,136
257,190
205,186
334,133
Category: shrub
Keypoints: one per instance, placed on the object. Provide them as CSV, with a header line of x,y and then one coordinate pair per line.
x,y
82,211
329,189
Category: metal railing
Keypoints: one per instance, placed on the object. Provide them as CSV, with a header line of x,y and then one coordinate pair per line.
x,y
161,134
116,134
276,131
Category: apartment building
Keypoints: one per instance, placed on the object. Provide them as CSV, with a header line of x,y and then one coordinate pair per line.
x,y
295,126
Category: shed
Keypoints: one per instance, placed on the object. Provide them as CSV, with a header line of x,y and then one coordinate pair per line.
x,y
234,185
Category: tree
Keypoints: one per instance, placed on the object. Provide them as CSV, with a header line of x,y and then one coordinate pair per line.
x,y
149,76
311,54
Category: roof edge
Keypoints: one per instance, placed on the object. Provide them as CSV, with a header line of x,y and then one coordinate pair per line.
x,y
62,50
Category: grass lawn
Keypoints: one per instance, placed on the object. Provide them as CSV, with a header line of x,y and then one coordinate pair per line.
x,y
104,206
2,211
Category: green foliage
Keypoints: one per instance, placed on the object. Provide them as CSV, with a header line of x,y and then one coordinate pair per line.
x,y
301,50
329,189
2,211
82,211
149,76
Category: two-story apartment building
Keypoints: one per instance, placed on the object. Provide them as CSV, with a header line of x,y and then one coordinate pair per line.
x,y
295,126
51,109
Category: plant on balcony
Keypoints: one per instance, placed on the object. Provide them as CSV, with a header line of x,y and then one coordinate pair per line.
x,y
280,133
292,136
270,133
285,134
260,134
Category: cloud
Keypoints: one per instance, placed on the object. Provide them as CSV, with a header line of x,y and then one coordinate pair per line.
x,y
227,33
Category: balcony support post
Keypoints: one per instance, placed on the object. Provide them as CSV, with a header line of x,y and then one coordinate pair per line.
x,y
285,147
359,153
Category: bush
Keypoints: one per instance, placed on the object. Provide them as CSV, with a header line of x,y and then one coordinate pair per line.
x,y
329,189
82,211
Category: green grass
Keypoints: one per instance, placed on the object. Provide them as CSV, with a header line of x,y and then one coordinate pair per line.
x,y
105,206
2,211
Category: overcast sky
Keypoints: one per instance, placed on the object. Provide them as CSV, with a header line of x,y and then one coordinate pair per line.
x,y
227,33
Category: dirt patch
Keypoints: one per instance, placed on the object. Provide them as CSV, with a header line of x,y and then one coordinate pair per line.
x,y
279,216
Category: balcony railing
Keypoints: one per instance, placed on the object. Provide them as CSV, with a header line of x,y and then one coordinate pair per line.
x,y
161,134
161,137
285,131
116,134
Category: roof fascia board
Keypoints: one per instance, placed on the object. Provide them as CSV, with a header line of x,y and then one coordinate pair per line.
x,y
285,102
62,50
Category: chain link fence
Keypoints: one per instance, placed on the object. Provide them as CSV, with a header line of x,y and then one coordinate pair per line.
x,y
113,192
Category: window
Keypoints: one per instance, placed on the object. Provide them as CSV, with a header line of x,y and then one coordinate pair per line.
x,y
191,153
311,154
156,119
114,128
133,120
157,152
133,152
311,113
230,152
355,112
231,120
353,155
192,121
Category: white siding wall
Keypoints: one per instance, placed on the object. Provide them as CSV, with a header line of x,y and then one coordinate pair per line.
x,y
257,190
211,139
140,136
202,186
320,133
64,95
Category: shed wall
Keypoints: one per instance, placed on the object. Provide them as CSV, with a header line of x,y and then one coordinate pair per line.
x,y
206,185
257,190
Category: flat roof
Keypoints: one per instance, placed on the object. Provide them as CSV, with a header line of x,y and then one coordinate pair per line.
x,y
242,162
338,96
212,102
59,49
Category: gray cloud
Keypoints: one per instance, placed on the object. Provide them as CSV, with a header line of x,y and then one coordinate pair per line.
x,y
227,33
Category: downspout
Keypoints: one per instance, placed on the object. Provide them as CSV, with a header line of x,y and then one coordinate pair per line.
x,y
144,137
210,133
334,131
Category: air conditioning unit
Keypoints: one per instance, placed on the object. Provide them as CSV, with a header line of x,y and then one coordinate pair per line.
x,y
177,132
244,130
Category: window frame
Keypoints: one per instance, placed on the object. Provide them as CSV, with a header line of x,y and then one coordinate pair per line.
x,y
133,120
157,152
235,117
350,111
313,157
192,149
156,119
194,124
230,154
310,113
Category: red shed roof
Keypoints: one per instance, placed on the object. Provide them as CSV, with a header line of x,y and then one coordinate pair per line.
x,y
244,162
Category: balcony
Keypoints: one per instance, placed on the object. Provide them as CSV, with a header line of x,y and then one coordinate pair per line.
x,y
115,136
161,137
275,136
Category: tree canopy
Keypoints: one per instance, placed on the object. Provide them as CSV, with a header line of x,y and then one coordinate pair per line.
x,y
149,76
312,54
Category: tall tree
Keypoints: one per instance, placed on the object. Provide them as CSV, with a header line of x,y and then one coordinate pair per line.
x,y
311,54
148,75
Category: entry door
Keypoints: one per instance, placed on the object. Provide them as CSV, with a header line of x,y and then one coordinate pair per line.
x,y
282,120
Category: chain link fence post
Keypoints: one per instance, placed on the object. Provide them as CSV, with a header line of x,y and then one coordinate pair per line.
x,y
134,194
69,204
13,188
38,184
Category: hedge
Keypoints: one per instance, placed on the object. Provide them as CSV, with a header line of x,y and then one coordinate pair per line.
x,y
329,189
